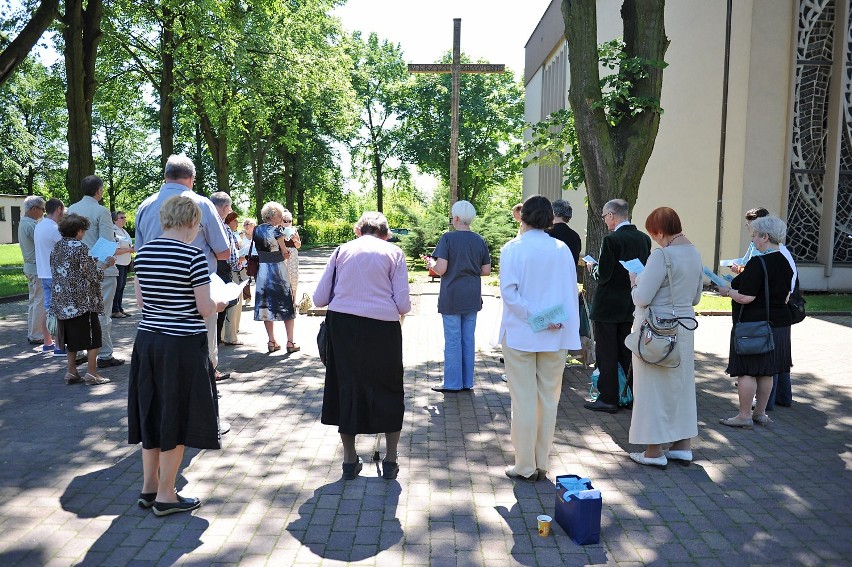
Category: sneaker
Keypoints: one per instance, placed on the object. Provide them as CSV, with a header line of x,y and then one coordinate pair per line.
x,y
182,505
59,352
111,361
48,349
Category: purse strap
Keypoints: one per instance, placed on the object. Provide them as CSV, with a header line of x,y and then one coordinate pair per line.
x,y
333,274
765,290
680,320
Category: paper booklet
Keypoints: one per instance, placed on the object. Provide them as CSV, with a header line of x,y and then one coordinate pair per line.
x,y
633,265
542,319
719,281
588,259
103,249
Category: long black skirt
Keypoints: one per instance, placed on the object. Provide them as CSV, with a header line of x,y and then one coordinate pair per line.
x,y
363,377
171,398
767,364
80,333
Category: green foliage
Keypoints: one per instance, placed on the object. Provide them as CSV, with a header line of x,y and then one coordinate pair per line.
x,y
322,232
497,227
554,139
425,227
12,282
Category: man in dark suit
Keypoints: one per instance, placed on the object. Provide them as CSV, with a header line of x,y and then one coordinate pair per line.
x,y
612,305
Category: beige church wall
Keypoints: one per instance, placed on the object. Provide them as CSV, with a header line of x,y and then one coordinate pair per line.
x,y
532,114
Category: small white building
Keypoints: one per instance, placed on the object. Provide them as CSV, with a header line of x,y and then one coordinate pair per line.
x,y
788,133
11,209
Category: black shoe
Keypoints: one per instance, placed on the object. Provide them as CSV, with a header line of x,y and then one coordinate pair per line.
x,y
390,470
222,375
445,390
601,406
467,389
81,359
108,362
182,505
36,341
146,499
351,470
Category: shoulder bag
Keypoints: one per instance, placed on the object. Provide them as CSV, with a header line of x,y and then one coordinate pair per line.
x,y
796,304
755,337
253,262
655,341
322,335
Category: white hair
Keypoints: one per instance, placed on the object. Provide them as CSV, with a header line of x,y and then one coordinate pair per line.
x,y
464,210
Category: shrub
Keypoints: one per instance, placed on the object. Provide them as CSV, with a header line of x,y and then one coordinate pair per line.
x,y
320,232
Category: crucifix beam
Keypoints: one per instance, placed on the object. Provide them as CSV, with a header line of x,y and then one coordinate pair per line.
x,y
456,68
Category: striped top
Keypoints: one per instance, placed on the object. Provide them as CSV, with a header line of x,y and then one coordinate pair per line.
x,y
167,271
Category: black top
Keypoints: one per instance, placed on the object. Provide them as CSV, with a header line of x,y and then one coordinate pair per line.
x,y
750,282
569,236
612,302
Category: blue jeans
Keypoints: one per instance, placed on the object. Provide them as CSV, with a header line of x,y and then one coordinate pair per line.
x,y
459,350
782,391
119,291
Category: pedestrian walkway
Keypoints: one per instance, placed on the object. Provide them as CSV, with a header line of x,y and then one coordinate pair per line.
x,y
273,495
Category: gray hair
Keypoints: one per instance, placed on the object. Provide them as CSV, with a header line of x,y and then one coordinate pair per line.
x,y
618,207
271,209
464,210
562,209
373,222
33,201
179,167
287,214
770,226
116,214
220,199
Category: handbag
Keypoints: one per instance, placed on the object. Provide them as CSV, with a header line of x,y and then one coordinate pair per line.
x,y
655,341
253,263
322,335
796,305
755,337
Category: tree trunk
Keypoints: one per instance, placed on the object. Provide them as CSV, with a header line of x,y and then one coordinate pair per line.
x,y
17,51
379,186
200,176
82,35
217,143
166,88
614,157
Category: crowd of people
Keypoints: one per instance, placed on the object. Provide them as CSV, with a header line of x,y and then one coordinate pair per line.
x,y
183,240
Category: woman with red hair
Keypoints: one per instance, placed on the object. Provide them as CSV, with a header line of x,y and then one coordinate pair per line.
x,y
664,409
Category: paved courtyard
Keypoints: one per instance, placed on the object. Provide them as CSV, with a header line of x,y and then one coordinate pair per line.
x,y
780,495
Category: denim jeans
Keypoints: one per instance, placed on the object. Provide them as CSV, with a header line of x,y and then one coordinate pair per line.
x,y
782,391
119,292
459,350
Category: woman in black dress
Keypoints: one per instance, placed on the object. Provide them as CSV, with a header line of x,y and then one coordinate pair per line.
x,y
754,372
171,400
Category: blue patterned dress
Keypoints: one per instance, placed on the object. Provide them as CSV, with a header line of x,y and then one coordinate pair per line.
x,y
273,300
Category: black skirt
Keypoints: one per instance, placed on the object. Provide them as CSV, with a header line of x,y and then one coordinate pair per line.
x,y
171,398
363,378
767,364
80,333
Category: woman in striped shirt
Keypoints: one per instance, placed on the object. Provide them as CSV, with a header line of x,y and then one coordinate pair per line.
x,y
172,394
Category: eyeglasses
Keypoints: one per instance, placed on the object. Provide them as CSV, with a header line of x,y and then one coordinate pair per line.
x,y
120,218
603,216
289,221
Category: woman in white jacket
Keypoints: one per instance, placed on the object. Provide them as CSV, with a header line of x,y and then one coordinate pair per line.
x,y
538,283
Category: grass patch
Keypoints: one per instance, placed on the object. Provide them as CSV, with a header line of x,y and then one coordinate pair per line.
x,y
817,303
10,255
12,282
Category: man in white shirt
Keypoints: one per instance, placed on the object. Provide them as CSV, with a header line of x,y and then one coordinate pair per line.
x,y
100,226
45,236
33,212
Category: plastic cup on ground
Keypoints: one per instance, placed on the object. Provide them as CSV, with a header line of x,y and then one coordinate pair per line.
x,y
544,522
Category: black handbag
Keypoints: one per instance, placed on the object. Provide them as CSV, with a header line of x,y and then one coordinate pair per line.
x,y
322,335
755,337
796,304
253,263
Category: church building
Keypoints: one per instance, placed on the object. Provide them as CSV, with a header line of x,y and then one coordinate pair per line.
x,y
786,142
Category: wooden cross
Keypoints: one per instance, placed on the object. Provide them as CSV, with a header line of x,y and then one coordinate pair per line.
x,y
456,68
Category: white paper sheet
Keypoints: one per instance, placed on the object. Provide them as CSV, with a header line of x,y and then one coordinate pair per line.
x,y
589,260
225,292
103,249
634,265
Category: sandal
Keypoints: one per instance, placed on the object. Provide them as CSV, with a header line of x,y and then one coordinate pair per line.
x,y
273,346
72,378
293,348
761,419
92,380
737,422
